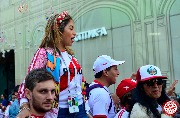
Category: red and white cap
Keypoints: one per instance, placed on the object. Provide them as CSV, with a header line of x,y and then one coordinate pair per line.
x,y
125,86
103,62
148,72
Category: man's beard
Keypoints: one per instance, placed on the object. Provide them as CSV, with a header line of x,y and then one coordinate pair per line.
x,y
38,107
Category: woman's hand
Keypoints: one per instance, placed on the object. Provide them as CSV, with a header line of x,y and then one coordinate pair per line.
x,y
172,88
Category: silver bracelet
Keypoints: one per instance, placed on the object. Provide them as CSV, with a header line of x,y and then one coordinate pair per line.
x,y
23,109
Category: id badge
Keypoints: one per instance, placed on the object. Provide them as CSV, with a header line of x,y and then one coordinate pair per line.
x,y
73,104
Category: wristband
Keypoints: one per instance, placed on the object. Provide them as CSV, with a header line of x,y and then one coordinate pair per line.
x,y
24,109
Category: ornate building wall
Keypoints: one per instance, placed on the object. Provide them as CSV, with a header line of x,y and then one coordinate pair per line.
x,y
138,31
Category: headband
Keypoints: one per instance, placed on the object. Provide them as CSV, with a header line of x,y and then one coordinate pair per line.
x,y
61,17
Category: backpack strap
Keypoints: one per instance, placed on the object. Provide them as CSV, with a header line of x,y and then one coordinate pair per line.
x,y
97,86
91,88
110,105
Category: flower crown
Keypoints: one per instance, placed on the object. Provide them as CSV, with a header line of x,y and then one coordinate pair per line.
x,y
61,17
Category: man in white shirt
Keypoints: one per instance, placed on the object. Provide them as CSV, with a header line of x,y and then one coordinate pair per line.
x,y
99,99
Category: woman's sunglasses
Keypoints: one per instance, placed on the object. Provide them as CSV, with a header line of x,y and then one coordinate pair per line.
x,y
153,81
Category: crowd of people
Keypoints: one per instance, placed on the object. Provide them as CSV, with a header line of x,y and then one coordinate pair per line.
x,y
52,87
9,107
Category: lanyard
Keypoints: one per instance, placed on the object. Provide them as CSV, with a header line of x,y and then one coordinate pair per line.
x,y
68,71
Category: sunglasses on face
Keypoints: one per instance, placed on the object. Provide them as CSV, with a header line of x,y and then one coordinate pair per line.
x,y
153,81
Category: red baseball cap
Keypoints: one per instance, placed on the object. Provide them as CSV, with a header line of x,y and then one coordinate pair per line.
x,y
125,86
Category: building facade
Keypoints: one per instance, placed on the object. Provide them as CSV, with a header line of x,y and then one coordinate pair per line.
x,y
137,31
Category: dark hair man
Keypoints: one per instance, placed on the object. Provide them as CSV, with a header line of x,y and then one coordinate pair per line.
x,y
40,91
99,99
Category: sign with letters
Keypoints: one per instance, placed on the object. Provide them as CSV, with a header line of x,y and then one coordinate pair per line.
x,y
91,34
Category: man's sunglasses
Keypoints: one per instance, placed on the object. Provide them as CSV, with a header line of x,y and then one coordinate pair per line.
x,y
153,81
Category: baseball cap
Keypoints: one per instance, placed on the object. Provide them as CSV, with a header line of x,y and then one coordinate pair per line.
x,y
125,86
149,72
103,62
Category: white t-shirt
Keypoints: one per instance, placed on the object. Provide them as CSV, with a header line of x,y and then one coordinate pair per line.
x,y
122,114
74,86
69,67
99,102
87,108
2,114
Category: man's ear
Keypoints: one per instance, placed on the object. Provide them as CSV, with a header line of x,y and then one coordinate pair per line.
x,y
105,72
28,93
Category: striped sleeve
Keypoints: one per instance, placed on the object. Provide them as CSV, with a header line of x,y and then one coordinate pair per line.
x,y
121,113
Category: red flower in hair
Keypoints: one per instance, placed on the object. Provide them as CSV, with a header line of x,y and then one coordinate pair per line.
x,y
61,17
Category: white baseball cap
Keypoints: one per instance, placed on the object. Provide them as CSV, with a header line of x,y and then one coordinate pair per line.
x,y
148,72
103,62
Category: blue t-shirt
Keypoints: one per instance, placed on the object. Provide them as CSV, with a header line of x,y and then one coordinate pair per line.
x,y
13,109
